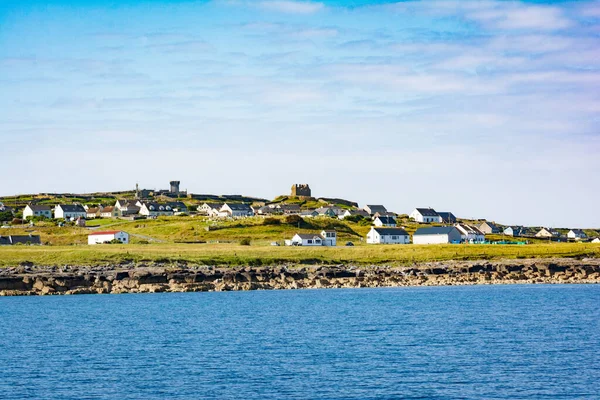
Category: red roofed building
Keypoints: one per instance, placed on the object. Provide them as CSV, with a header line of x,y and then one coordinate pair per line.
x,y
108,236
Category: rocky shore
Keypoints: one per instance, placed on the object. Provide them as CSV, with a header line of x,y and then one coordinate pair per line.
x,y
28,279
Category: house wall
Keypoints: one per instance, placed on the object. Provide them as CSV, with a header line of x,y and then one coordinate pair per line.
x,y
330,238
375,238
27,212
98,239
437,239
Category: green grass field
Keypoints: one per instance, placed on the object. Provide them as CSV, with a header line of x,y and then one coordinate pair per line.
x,y
233,254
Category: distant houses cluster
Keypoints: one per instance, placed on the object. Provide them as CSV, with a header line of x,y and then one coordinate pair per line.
x,y
445,226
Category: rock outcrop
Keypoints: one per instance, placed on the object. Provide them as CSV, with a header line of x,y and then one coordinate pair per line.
x,y
27,279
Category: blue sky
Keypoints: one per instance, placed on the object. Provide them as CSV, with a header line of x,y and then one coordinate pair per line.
x,y
489,109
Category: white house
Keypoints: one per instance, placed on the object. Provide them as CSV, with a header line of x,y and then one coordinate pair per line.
x,y
236,210
305,239
352,213
210,209
515,231
127,207
470,234
387,236
108,212
596,240
547,233
373,209
69,211
326,238
385,221
425,215
329,238
309,214
437,235
576,234
151,209
34,210
107,236
489,227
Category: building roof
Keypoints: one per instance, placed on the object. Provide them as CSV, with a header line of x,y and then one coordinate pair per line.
x,y
93,210
386,219
105,233
215,206
436,230
106,209
177,204
447,216
490,224
390,231
308,236
376,208
72,208
39,207
24,239
428,212
238,206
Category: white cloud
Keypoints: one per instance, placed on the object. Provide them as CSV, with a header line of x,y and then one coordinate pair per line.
x,y
291,7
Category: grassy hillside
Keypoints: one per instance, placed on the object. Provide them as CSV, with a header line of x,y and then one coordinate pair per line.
x,y
233,254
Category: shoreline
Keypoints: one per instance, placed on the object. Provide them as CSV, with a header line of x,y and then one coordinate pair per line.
x,y
28,280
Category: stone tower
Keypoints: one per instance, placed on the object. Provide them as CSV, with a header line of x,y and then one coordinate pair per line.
x,y
301,190
174,187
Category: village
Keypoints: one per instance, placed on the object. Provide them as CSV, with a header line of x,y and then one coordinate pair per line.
x,y
423,225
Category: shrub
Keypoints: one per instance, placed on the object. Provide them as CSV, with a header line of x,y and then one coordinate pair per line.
x,y
143,242
293,220
245,242
271,221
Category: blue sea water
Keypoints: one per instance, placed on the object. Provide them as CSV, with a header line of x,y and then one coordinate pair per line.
x,y
479,342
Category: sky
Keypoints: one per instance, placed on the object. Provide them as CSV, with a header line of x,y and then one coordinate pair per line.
x,y
488,109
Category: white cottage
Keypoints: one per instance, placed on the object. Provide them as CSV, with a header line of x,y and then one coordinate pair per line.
x,y
306,239
69,211
576,234
236,210
437,235
151,209
385,220
425,215
387,236
329,238
34,210
470,234
108,236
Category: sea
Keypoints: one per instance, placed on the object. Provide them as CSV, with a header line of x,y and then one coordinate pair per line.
x,y
469,342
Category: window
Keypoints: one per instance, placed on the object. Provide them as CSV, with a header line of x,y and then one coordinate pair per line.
x,y
309,241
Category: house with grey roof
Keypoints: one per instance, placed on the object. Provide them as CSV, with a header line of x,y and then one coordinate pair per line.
x,y
210,209
437,235
425,215
447,217
489,227
236,210
353,212
20,239
547,233
515,231
325,238
69,211
372,209
385,221
470,233
381,235
153,209
576,234
35,210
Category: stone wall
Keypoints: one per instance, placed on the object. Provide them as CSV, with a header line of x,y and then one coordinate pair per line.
x,y
32,280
